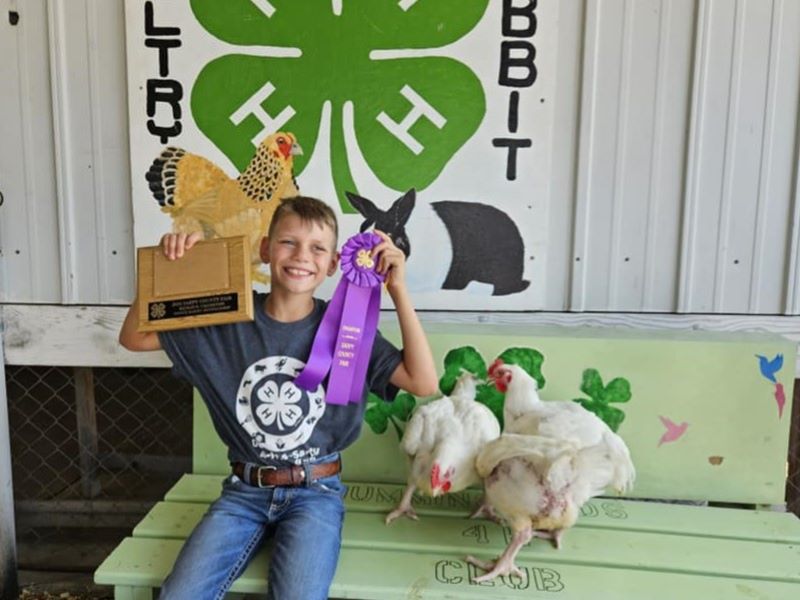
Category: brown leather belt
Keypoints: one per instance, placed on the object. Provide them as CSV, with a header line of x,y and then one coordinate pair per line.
x,y
294,475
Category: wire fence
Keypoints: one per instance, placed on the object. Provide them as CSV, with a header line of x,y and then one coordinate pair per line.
x,y
90,449
96,447
80,434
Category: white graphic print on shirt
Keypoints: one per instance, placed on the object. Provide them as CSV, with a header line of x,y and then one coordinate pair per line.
x,y
278,416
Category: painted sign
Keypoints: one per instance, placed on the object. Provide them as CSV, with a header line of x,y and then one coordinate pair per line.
x,y
428,119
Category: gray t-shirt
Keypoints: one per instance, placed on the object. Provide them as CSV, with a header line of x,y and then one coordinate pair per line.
x,y
245,373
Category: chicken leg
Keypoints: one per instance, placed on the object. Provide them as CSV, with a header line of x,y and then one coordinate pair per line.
x,y
485,511
504,565
404,508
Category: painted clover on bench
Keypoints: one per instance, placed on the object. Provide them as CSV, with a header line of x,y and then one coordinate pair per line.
x,y
467,358
618,390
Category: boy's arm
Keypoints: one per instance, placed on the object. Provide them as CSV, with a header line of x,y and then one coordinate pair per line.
x,y
173,245
416,373
134,340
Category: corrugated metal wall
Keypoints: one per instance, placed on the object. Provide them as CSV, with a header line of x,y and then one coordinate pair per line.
x,y
65,225
687,154
673,185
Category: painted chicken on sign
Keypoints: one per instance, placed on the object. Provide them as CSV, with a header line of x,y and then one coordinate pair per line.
x,y
200,196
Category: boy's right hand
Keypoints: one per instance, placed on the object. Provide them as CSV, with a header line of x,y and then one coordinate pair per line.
x,y
175,244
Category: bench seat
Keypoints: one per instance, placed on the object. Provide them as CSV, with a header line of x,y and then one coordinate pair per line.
x,y
733,450
647,545
362,574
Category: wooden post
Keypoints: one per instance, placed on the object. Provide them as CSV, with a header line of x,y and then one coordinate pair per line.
x,y
8,548
87,431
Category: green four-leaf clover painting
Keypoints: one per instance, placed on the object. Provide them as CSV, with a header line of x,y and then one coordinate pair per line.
x,y
618,391
375,60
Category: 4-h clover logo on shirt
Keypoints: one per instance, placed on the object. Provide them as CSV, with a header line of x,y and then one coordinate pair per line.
x,y
276,414
279,405
409,113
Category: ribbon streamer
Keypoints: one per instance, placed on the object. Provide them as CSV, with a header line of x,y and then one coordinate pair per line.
x,y
343,343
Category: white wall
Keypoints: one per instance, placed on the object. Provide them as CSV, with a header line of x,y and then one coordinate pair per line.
x,y
673,184
65,224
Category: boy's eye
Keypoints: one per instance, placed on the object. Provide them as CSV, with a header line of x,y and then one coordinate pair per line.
x,y
288,242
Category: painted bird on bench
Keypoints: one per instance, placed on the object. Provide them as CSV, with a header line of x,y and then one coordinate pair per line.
x,y
199,196
442,440
551,459
769,367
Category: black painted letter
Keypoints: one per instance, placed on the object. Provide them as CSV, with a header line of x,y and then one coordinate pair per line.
x,y
512,145
507,62
524,12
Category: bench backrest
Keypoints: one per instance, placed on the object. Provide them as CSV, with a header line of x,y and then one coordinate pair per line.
x,y
733,447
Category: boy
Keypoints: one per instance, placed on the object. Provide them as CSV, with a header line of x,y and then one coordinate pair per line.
x,y
283,445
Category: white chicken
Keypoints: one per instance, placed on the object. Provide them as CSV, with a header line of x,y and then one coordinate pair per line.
x,y
551,458
442,440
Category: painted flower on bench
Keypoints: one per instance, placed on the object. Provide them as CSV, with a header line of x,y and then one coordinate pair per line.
x,y
601,397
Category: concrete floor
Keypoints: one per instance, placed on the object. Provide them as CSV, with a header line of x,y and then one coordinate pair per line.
x,y
52,585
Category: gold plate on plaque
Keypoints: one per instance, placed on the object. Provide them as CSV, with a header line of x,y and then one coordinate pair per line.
x,y
209,285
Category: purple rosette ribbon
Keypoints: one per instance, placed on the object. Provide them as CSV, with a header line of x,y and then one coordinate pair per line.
x,y
343,343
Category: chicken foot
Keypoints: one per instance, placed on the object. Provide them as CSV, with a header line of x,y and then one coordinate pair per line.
x,y
485,511
554,536
404,508
504,565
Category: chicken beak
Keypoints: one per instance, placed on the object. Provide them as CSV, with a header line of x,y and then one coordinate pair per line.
x,y
296,149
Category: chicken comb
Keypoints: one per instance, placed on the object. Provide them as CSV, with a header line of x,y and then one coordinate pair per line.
x,y
494,366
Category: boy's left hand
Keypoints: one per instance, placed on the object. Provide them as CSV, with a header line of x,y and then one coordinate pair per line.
x,y
391,261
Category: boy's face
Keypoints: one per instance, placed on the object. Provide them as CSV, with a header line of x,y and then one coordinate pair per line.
x,y
300,255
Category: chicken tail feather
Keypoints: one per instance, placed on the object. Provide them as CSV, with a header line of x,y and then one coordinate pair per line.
x,y
176,178
162,175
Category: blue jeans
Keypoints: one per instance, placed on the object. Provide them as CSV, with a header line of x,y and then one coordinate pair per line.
x,y
306,523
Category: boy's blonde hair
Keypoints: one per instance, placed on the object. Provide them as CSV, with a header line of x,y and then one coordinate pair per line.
x,y
310,210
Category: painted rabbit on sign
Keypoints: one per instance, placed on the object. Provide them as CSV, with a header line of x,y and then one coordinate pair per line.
x,y
485,243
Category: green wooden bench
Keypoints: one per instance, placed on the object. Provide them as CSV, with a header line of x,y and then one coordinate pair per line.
x,y
732,450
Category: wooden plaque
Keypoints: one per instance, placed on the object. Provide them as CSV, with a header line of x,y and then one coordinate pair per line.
x,y
209,285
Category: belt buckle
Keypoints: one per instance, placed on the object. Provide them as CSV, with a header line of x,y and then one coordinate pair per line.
x,y
258,474
301,473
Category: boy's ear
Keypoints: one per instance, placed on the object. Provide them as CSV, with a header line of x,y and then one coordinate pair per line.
x,y
264,249
334,264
